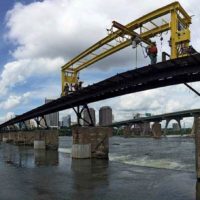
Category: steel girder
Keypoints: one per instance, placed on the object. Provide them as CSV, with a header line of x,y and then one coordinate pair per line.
x,y
172,72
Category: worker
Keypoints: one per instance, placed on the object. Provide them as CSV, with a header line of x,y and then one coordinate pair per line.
x,y
152,53
80,84
66,89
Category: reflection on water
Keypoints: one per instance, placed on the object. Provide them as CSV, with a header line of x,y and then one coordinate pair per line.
x,y
89,175
139,168
17,156
46,158
22,156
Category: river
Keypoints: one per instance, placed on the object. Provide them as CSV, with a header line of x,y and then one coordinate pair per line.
x,y
138,169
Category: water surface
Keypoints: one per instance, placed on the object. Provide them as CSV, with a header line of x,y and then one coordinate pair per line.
x,y
138,168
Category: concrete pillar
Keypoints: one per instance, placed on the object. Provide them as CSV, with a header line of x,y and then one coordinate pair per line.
x,y
156,130
28,137
4,139
197,145
197,190
179,124
39,144
145,128
127,131
81,151
90,142
192,134
166,125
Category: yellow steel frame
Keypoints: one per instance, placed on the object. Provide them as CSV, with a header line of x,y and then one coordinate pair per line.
x,y
115,41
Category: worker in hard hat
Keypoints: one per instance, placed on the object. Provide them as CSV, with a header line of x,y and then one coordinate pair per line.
x,y
152,52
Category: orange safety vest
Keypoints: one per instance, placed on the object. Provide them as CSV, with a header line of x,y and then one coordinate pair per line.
x,y
153,50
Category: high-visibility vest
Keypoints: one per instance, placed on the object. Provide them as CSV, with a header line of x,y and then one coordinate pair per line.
x,y
153,50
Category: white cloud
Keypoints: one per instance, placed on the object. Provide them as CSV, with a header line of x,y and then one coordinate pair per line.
x,y
13,101
147,100
7,117
54,28
18,71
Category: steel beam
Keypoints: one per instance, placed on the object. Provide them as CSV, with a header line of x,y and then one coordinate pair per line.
x,y
172,72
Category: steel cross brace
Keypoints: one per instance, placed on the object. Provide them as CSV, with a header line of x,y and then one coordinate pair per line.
x,y
38,122
79,112
191,88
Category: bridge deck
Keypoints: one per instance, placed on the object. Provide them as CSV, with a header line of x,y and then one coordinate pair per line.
x,y
158,118
181,70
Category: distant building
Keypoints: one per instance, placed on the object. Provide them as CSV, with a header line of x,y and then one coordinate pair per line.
x,y
60,123
105,116
86,116
175,127
53,118
28,123
66,121
136,116
32,124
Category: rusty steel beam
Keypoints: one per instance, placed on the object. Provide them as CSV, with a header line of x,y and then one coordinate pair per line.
x,y
172,72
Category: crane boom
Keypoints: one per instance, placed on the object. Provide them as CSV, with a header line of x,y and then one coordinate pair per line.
x,y
178,25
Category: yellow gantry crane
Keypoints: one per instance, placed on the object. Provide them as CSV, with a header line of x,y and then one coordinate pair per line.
x,y
172,18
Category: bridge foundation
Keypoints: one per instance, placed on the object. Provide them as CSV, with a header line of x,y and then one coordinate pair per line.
x,y
4,139
156,130
28,137
197,144
39,144
192,133
91,142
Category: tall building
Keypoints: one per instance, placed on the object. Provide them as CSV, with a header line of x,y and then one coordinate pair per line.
x,y
105,116
87,118
66,121
53,118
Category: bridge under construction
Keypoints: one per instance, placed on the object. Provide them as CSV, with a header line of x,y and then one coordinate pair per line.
x,y
179,66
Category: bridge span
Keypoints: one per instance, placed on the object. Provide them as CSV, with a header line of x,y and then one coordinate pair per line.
x,y
171,72
158,118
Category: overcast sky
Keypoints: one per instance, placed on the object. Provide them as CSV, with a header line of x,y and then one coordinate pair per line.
x,y
38,37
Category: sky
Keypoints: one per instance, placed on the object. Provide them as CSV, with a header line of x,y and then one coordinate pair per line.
x,y
38,37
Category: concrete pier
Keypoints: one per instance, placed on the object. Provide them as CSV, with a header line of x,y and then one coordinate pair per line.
x,y
28,137
197,144
81,151
4,139
156,130
90,142
39,144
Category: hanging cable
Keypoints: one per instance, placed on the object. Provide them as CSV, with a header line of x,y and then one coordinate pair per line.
x,y
161,42
136,57
143,51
